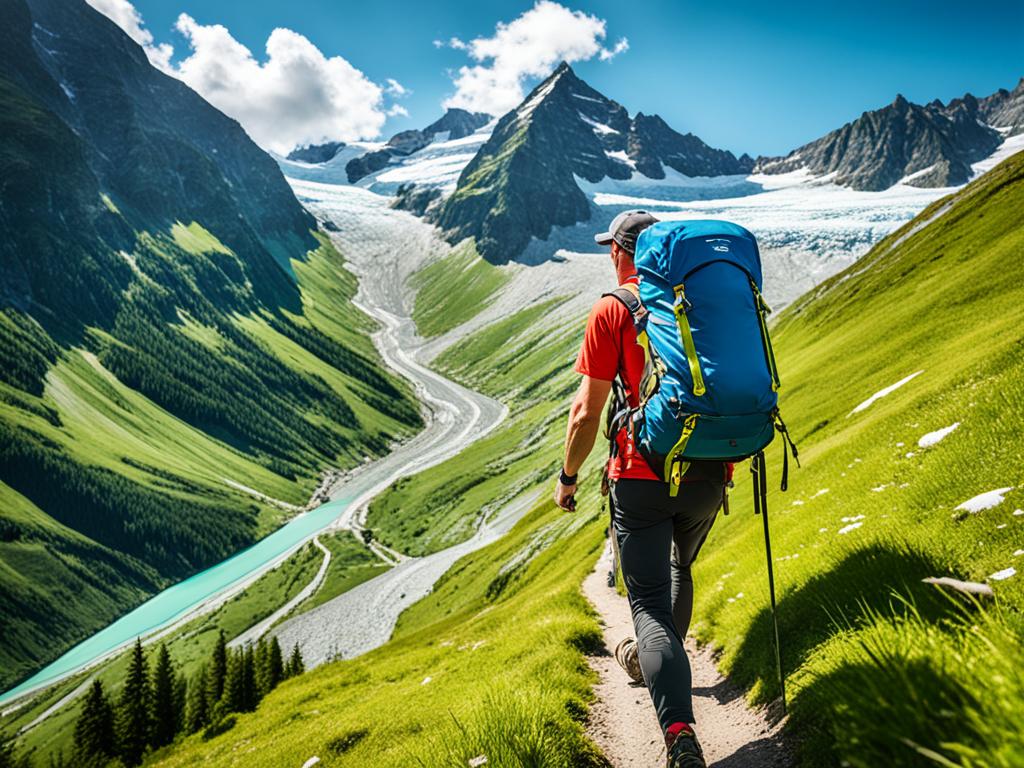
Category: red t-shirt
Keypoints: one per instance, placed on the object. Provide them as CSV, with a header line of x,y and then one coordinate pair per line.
x,y
610,348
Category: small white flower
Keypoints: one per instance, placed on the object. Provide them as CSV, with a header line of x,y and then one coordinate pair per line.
x,y
426,680
1003,574
476,762
850,527
311,762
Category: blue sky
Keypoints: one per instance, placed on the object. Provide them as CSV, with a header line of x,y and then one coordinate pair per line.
x,y
747,76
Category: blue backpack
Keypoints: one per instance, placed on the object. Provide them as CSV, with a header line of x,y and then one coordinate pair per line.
x,y
710,385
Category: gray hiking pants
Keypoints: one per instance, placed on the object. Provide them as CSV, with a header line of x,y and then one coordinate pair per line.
x,y
658,539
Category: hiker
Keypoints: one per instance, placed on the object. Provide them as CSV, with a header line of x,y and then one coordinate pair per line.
x,y
658,534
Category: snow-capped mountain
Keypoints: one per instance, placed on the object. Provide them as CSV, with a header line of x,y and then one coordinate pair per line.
x,y
431,158
932,145
523,181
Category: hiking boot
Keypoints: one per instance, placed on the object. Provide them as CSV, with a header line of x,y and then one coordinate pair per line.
x,y
629,659
683,748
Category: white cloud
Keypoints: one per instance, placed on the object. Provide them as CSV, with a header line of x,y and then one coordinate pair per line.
x,y
395,88
620,47
123,13
397,110
528,46
296,96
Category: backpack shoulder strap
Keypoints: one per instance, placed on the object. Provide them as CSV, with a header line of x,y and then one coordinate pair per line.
x,y
629,297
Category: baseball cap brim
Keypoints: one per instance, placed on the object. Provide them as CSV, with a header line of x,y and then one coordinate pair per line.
x,y
603,238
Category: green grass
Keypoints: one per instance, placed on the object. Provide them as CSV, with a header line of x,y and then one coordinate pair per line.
x,y
190,646
883,670
351,565
529,369
195,239
517,697
872,653
89,418
454,289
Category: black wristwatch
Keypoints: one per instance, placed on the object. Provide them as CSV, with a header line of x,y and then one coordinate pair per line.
x,y
565,479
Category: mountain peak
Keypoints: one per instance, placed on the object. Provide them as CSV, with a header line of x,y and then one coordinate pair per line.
x,y
900,102
563,131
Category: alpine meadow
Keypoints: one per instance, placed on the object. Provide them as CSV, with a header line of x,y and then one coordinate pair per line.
x,y
292,387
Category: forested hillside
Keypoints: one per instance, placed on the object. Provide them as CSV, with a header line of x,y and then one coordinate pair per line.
x,y
175,335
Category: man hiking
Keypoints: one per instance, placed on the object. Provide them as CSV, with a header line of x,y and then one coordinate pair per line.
x,y
658,533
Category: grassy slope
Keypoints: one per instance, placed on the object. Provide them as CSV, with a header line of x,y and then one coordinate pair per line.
x,y
436,310
516,697
874,657
95,420
190,646
524,366
866,669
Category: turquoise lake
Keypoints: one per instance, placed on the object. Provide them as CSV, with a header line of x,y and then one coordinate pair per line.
x,y
165,607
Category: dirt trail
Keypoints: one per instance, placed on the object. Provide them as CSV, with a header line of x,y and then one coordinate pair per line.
x,y
622,722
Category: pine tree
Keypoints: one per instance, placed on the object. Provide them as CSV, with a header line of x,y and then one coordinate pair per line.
x,y
295,664
275,664
218,668
180,699
164,714
133,710
197,711
10,759
233,699
262,669
249,695
95,739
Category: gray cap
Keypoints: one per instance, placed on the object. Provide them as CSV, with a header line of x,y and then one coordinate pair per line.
x,y
625,228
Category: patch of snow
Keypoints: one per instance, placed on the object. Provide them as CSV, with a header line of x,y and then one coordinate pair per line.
x,y
851,519
818,493
984,501
599,128
587,98
910,454
932,438
621,156
883,392
900,444
1010,146
1018,553
847,528
797,503
822,530
311,762
1003,574
917,174
880,488
67,90
1000,526
426,680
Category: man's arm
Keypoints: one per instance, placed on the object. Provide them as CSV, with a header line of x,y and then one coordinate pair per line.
x,y
584,424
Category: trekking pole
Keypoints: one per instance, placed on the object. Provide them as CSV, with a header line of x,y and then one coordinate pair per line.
x,y
757,467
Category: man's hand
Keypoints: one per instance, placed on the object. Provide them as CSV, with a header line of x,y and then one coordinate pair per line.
x,y
565,495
